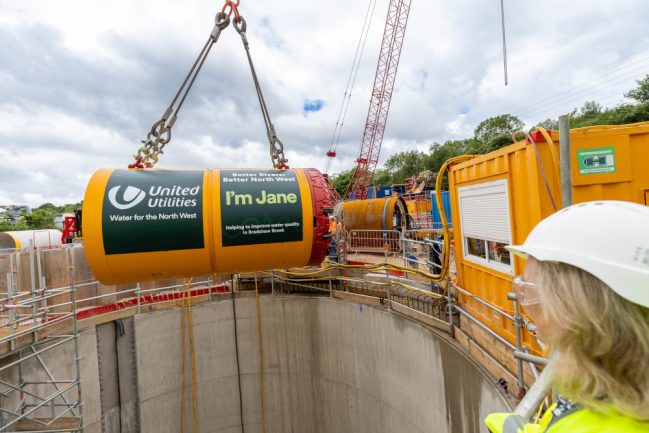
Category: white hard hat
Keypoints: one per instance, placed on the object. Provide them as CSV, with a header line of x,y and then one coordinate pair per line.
x,y
608,239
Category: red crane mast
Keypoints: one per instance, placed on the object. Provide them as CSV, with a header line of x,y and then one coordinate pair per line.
x,y
386,74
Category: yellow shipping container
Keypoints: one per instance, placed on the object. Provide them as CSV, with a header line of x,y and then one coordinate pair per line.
x,y
499,197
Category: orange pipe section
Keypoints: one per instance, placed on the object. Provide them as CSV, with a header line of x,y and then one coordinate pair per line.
x,y
388,213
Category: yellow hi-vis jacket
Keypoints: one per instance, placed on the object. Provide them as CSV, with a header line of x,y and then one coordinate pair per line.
x,y
565,417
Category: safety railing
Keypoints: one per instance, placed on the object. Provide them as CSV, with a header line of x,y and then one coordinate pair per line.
x,y
421,220
519,352
421,249
424,195
382,242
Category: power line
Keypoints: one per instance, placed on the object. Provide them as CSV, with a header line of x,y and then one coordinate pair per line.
x,y
584,93
642,64
351,80
629,69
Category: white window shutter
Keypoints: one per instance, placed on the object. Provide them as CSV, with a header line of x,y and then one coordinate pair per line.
x,y
484,211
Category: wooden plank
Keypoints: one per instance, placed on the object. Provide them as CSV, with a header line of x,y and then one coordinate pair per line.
x,y
503,355
359,299
107,317
487,361
63,423
421,317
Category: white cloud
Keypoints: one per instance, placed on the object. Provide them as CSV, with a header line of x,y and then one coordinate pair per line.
x,y
81,81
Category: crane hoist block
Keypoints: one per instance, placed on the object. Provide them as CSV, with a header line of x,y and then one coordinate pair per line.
x,y
153,224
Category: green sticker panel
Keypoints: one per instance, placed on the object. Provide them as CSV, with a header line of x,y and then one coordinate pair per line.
x,y
145,211
593,161
260,207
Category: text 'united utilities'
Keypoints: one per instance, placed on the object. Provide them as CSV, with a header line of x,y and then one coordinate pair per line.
x,y
159,197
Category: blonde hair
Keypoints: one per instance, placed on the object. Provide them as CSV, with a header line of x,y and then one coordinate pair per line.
x,y
601,338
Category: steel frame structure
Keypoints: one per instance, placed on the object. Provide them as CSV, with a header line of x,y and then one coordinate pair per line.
x,y
386,74
31,333
36,326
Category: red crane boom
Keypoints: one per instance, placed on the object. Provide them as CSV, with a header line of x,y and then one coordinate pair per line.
x,y
386,74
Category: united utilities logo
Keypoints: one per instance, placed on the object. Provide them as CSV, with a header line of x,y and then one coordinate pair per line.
x,y
132,197
159,197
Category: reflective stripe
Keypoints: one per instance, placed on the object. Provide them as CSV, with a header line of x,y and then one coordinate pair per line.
x,y
495,421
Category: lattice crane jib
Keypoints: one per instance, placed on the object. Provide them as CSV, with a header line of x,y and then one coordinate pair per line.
x,y
386,73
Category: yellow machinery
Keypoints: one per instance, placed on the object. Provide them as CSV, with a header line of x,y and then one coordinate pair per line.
x,y
155,224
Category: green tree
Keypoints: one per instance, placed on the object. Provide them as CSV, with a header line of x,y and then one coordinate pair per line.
x,y
406,164
497,142
591,109
640,93
341,180
49,207
70,208
39,219
626,114
6,226
440,153
382,178
504,124
548,124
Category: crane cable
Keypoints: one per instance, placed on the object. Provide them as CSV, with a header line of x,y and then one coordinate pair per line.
x,y
186,299
160,133
351,82
502,21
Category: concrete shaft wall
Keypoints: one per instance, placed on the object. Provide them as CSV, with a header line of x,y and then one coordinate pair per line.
x,y
329,366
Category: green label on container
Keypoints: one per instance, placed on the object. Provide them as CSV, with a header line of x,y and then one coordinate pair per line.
x,y
260,207
146,211
600,160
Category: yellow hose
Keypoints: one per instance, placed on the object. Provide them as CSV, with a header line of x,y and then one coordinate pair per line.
x,y
261,359
553,148
186,297
375,267
182,355
446,232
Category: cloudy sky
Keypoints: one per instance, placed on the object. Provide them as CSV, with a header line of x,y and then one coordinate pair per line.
x,y
81,81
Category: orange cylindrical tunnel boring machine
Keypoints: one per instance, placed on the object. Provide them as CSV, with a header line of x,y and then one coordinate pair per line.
x,y
388,213
374,225
152,224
